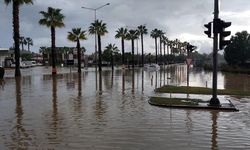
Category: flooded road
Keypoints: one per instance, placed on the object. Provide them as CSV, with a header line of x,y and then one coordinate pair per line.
x,y
109,110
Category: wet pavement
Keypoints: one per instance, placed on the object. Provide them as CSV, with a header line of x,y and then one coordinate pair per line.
x,y
110,110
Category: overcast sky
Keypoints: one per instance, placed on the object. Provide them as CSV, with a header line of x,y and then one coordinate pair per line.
x,y
182,19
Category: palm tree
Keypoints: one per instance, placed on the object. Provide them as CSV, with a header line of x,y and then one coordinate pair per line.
x,y
165,42
121,33
154,34
29,42
23,42
75,36
160,35
132,35
142,30
52,19
112,50
16,34
99,28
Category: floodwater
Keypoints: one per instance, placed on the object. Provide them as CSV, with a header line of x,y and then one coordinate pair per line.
x,y
110,110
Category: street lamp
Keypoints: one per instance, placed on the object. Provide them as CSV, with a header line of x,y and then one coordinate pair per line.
x,y
95,9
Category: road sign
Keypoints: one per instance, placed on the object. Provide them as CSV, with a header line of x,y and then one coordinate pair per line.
x,y
70,62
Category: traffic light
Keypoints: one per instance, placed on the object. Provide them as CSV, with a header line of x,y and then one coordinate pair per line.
x,y
223,34
208,32
190,48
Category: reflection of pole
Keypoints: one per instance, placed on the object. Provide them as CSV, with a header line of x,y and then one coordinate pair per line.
x,y
214,100
214,145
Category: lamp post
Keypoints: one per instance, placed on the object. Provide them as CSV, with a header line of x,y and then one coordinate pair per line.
x,y
95,9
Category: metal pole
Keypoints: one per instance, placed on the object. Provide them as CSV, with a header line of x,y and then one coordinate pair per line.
x,y
214,100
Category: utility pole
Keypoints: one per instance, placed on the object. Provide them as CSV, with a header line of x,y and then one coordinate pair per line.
x,y
214,100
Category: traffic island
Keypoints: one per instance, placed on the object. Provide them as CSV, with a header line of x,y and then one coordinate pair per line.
x,y
199,90
190,104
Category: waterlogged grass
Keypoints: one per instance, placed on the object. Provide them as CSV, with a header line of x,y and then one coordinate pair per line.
x,y
199,90
173,101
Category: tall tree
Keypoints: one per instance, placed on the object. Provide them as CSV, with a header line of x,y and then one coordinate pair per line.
x,y
75,36
111,50
29,42
99,28
121,33
23,42
165,43
154,34
160,35
238,52
16,34
142,30
132,35
52,19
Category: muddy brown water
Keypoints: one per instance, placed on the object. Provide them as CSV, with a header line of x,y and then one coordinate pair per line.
x,y
109,110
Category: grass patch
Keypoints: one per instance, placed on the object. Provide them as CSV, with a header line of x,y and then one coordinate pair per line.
x,y
173,101
199,90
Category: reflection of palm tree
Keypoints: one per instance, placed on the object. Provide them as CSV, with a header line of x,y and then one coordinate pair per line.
x,y
123,82
132,35
75,36
20,131
121,33
16,35
142,30
99,28
52,19
142,81
133,81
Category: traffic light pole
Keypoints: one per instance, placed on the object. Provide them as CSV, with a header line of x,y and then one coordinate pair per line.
x,y
214,100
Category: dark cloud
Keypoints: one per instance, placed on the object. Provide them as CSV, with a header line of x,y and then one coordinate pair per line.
x,y
182,19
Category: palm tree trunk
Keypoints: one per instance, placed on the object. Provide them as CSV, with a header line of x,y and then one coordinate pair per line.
x,y
160,50
133,46
79,56
142,51
53,47
99,53
164,57
123,58
16,37
112,61
156,50
28,47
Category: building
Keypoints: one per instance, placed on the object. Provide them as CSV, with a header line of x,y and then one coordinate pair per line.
x,y
6,56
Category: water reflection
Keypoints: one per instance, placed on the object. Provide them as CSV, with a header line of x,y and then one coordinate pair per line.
x,y
19,135
142,81
214,144
2,84
123,82
133,82
108,116
53,119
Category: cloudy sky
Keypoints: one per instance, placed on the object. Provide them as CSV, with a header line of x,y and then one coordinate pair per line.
x,y
182,19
